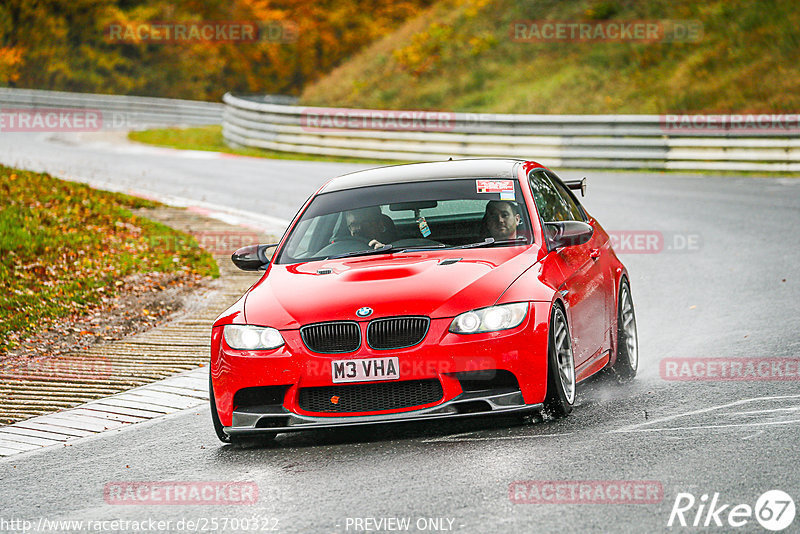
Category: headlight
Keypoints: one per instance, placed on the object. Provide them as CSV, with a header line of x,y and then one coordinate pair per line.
x,y
245,337
490,319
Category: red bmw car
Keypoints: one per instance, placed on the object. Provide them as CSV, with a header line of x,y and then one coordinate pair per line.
x,y
423,291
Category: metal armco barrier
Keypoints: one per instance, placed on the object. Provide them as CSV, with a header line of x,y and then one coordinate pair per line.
x,y
118,112
571,141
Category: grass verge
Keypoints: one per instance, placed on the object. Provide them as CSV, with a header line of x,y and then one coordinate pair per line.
x,y
65,247
210,138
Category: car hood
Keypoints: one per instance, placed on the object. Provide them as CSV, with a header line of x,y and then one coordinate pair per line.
x,y
417,283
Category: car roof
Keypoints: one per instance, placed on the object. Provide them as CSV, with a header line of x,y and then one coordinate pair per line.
x,y
421,172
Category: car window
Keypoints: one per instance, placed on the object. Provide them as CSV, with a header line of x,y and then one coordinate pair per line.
x,y
552,200
435,214
575,208
308,229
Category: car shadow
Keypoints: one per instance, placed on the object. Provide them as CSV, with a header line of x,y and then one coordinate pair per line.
x,y
595,398
420,430
379,433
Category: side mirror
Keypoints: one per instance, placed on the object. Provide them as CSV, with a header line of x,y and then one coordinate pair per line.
x,y
567,233
252,257
579,185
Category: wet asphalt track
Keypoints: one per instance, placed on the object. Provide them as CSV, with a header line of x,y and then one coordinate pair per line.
x,y
735,295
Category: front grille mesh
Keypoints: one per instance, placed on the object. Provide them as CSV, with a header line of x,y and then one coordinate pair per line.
x,y
396,332
332,338
370,397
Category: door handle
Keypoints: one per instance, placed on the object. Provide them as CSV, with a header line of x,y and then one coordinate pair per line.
x,y
594,253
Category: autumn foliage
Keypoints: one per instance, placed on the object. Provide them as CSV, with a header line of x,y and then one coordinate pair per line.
x,y
65,45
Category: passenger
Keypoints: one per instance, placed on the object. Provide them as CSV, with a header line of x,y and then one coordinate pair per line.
x,y
502,219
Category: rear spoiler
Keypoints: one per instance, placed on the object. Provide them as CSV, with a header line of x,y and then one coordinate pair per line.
x,y
577,184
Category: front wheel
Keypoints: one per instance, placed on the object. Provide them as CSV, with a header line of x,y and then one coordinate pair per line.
x,y
560,367
627,361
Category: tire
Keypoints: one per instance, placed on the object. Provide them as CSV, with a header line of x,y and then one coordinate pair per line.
x,y
561,384
627,361
223,437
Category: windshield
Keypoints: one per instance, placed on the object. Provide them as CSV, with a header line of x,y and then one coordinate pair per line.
x,y
412,216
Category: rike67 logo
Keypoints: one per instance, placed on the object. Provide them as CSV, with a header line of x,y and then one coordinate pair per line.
x,y
774,510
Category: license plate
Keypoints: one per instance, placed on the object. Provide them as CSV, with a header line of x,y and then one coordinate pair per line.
x,y
365,369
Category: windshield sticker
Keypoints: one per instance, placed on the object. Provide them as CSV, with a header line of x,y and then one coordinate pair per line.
x,y
504,187
423,227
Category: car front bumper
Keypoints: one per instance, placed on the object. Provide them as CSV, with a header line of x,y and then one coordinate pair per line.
x,y
442,355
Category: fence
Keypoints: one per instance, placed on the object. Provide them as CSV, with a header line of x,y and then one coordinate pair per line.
x,y
118,112
577,141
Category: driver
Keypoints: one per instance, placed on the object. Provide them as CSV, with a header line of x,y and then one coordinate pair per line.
x,y
367,224
502,219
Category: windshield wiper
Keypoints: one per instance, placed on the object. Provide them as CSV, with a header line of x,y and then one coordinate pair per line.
x,y
391,249
385,249
490,242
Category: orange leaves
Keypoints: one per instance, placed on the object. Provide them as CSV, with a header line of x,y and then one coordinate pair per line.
x,y
10,60
37,270
298,42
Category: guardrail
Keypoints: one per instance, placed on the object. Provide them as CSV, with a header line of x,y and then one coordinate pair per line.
x,y
567,141
118,112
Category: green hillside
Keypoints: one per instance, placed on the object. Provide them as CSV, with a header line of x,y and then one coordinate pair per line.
x,y
460,56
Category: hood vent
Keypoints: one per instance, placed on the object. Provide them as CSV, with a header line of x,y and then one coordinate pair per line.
x,y
450,261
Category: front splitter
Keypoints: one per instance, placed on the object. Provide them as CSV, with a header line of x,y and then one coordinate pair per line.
x,y
465,405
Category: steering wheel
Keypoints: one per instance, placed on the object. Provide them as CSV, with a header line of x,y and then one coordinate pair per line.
x,y
343,245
